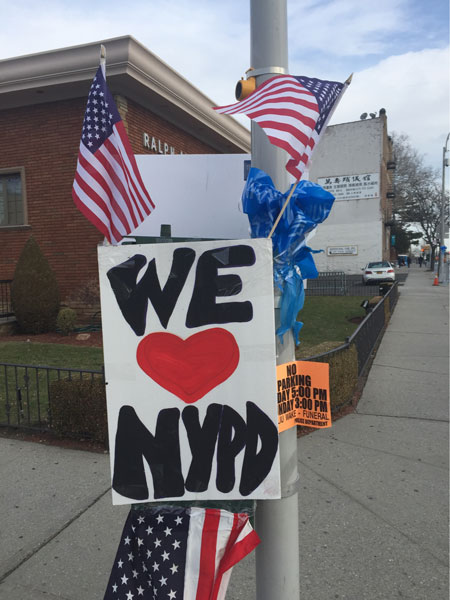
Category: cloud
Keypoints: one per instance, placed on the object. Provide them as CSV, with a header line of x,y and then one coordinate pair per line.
x,y
208,42
413,88
345,27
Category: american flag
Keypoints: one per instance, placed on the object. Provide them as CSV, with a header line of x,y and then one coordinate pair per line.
x,y
108,188
293,112
175,553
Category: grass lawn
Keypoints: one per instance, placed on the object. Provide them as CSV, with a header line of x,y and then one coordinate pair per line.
x,y
325,325
326,322
52,355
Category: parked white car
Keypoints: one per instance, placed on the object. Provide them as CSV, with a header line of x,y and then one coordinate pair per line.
x,y
377,272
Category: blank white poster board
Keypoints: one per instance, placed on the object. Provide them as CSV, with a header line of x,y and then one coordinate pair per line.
x,y
197,194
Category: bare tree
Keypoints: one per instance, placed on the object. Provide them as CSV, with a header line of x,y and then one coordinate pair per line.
x,y
418,195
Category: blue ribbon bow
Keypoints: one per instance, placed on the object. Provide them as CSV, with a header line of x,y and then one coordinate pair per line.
x,y
310,205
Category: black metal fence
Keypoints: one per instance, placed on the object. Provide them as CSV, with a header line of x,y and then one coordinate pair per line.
x,y
328,283
5,298
368,333
24,393
338,283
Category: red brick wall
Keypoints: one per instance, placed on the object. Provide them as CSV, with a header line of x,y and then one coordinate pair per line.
x,y
44,139
139,120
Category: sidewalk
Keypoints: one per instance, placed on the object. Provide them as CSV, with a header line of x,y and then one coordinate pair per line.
x,y
373,492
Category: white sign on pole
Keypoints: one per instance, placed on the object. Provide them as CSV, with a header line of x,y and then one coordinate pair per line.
x,y
352,187
189,349
341,250
199,195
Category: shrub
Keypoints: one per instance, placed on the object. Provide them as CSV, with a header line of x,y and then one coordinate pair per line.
x,y
343,375
34,291
65,321
78,408
86,301
88,293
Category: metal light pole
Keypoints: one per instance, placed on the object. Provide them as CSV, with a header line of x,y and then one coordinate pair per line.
x,y
277,557
443,273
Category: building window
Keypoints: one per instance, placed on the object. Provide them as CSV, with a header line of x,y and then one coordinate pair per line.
x,y
12,198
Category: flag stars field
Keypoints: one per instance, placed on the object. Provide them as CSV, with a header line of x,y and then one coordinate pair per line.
x,y
164,577
108,188
292,111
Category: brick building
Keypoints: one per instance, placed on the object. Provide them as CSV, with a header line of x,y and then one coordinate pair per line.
x,y
42,103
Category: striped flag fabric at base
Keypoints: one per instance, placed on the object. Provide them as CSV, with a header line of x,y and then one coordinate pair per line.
x,y
108,188
293,112
179,553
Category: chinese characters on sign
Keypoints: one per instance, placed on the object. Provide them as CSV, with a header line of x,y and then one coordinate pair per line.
x,y
352,187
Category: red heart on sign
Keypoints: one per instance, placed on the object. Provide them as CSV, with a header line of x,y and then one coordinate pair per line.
x,y
192,367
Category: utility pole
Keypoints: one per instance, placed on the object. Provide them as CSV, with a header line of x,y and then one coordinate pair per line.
x,y
277,557
443,272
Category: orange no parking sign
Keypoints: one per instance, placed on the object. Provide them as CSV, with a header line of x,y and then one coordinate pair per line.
x,y
303,395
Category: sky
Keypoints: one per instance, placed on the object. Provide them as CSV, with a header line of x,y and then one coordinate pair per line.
x,y
398,50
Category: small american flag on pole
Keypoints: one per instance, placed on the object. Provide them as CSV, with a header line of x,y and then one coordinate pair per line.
x,y
293,112
175,553
108,188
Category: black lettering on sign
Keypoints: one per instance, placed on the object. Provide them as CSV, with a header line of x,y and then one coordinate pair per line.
x,y
232,437
133,297
202,442
209,285
257,465
291,369
162,452
319,393
222,426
